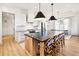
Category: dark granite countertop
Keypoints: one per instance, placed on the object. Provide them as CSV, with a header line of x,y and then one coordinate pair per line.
x,y
46,35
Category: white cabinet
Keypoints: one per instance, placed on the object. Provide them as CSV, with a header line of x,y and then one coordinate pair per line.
x,y
20,36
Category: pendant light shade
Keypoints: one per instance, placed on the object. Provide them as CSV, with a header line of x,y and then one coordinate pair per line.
x,y
52,17
39,14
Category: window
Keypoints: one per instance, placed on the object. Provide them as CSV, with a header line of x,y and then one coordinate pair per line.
x,y
62,24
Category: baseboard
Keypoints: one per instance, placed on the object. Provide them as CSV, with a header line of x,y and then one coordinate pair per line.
x,y
76,35
21,42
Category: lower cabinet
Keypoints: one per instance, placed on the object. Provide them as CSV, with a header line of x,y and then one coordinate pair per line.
x,y
31,46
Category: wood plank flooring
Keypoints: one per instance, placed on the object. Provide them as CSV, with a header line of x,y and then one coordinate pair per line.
x,y
11,48
71,47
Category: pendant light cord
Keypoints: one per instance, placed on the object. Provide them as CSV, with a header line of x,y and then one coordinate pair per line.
x,y
39,6
52,8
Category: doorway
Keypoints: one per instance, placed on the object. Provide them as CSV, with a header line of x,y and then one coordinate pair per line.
x,y
8,26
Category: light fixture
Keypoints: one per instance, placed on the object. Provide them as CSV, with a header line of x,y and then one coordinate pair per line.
x,y
52,17
39,14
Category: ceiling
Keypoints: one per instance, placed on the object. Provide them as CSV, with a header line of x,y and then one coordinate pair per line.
x,y
35,5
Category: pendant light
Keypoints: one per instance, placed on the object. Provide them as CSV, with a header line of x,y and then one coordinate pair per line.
x,y
39,14
52,17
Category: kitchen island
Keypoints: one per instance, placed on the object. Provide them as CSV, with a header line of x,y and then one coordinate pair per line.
x,y
35,42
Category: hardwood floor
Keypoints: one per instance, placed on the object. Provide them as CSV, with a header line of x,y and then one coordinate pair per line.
x,y
71,47
11,48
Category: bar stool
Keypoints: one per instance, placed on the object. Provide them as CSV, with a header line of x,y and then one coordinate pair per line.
x,y
62,40
51,46
57,45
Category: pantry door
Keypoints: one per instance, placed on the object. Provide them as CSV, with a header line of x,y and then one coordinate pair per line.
x,y
8,24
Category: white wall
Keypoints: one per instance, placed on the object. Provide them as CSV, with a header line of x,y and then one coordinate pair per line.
x,y
75,25
20,21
